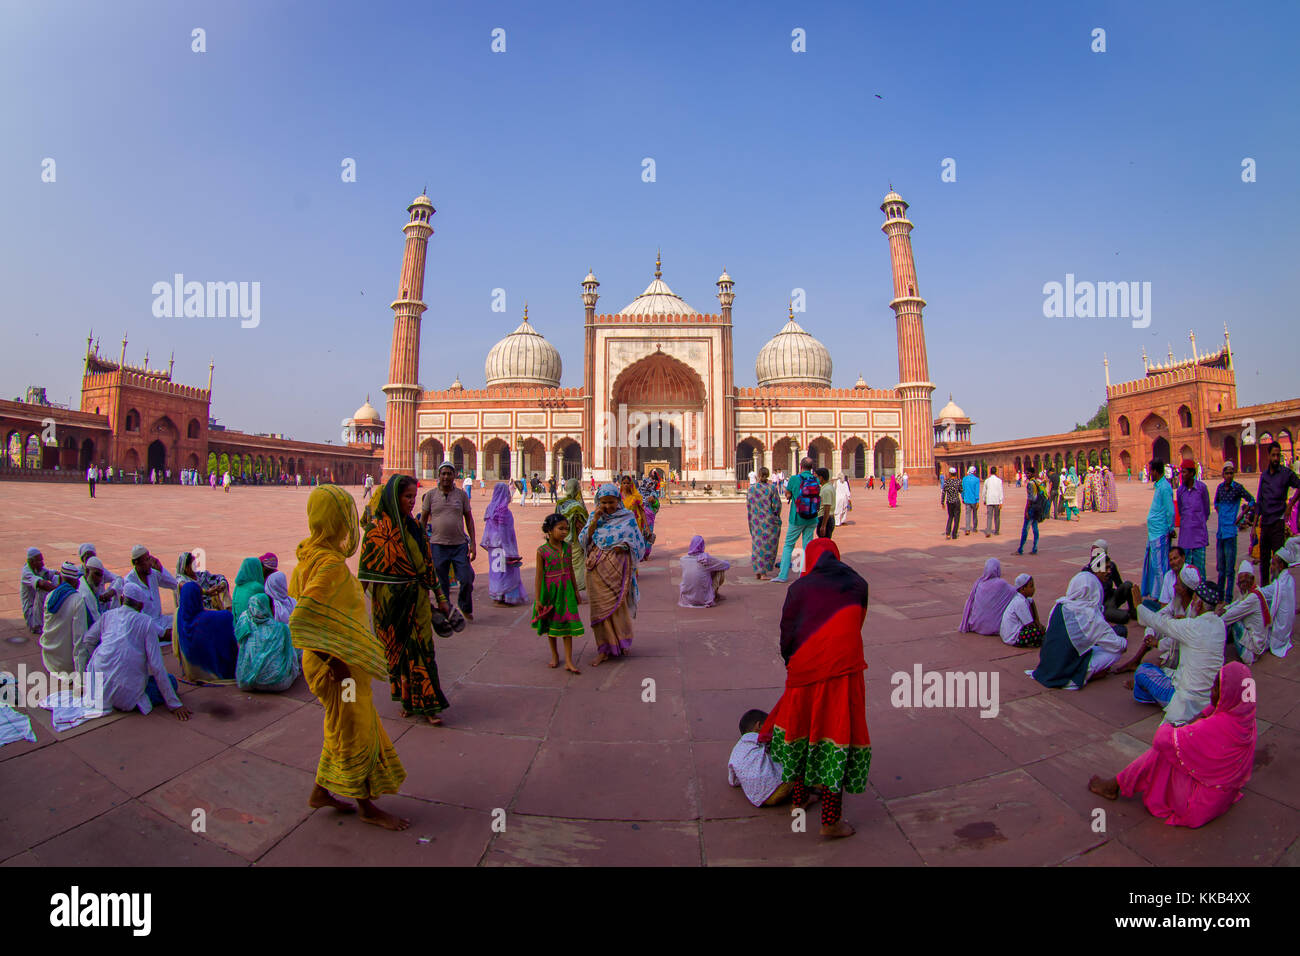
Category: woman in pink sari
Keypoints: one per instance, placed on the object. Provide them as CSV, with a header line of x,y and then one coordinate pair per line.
x,y
1195,772
893,491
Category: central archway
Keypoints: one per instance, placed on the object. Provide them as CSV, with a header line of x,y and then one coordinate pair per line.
x,y
657,413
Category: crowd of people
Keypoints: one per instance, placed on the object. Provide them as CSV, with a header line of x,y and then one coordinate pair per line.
x,y
98,474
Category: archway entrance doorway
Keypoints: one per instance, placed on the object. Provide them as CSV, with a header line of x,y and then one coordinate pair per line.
x,y
157,457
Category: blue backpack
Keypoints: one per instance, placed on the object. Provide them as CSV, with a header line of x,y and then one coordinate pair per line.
x,y
809,500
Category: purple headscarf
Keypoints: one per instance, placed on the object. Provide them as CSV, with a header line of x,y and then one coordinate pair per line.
x,y
499,523
696,550
988,599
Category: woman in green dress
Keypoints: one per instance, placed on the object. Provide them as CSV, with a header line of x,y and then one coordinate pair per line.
x,y
576,515
397,571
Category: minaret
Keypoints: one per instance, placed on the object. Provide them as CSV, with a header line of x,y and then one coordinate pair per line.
x,y
589,297
914,383
726,296
403,389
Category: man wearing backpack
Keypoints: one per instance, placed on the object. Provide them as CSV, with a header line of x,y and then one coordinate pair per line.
x,y
803,491
1036,508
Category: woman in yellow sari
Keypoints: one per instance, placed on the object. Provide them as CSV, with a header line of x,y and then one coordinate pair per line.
x,y
340,656
635,503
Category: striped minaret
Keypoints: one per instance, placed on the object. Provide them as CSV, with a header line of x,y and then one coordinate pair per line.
x,y
913,368
403,389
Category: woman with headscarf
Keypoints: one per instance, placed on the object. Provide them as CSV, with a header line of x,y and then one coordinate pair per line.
x,y
216,590
340,656
763,507
574,510
505,583
277,589
1193,773
843,499
649,489
1070,494
818,729
205,640
1079,643
635,503
267,660
1107,495
702,576
397,570
893,491
613,544
250,580
988,599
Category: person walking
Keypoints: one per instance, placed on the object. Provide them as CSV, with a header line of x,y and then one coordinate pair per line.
x,y
1033,514
950,497
803,491
446,517
993,495
970,498
90,479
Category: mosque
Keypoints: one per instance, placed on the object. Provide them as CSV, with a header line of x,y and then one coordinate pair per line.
x,y
659,389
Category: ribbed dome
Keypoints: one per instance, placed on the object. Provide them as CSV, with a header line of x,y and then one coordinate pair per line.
x,y
658,299
793,357
524,358
951,410
366,413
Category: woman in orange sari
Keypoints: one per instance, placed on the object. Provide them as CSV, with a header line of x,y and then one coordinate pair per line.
x,y
340,656
818,729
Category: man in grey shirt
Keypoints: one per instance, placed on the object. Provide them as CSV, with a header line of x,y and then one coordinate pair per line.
x,y
445,513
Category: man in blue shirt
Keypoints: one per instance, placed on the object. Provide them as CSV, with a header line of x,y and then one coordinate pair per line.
x,y
1227,502
797,525
1160,528
970,498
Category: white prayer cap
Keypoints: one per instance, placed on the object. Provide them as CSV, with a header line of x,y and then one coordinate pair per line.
x,y
33,553
1290,552
84,550
94,562
138,552
971,470
1229,466
447,464
1101,543
1022,580
1190,576
135,592
70,570
1246,568
952,471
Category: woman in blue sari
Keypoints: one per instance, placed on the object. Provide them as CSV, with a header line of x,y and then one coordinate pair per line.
x,y
205,640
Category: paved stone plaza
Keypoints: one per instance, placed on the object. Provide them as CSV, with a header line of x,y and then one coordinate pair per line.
x,y
587,772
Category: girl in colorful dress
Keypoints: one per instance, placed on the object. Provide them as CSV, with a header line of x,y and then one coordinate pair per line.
x,y
555,610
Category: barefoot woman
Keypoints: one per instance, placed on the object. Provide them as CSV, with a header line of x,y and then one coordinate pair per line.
x,y
818,729
340,655
397,571
613,543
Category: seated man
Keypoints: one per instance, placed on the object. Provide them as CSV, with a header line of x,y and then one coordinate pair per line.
x,y
147,572
65,621
752,768
1183,691
1247,618
33,586
85,553
1177,560
1189,579
1020,625
123,650
1280,593
98,598
1079,643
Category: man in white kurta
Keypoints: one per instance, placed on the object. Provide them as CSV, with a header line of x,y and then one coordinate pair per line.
x,y
1281,595
1244,617
65,623
148,573
34,585
126,654
1200,637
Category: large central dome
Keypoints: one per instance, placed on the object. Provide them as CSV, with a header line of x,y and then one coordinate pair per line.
x,y
793,357
658,299
523,357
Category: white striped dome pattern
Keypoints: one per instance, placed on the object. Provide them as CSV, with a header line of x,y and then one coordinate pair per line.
x,y
793,357
524,357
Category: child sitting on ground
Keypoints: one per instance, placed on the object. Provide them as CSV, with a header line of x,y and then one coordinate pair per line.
x,y
555,609
752,768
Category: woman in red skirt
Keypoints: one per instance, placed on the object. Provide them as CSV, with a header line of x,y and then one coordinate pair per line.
x,y
818,729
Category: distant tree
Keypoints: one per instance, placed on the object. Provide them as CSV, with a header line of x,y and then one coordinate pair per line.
x,y
1100,420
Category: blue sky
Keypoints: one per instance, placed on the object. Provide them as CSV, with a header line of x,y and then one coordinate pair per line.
x,y
225,166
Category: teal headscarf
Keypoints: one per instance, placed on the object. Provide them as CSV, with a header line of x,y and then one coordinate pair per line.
x,y
267,659
250,580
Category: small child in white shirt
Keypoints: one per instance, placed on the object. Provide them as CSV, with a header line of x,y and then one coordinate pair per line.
x,y
752,768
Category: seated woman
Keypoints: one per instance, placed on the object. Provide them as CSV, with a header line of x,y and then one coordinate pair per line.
x,y
818,729
216,589
267,659
989,597
205,639
1195,772
1079,644
250,580
702,576
277,589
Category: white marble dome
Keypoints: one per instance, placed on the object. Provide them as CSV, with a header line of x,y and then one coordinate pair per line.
x,y
524,357
793,357
950,411
366,413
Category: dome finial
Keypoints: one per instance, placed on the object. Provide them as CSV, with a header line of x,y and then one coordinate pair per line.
x,y
525,310
658,264
791,304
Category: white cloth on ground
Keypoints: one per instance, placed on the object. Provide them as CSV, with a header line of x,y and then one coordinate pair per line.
x,y
68,708
14,726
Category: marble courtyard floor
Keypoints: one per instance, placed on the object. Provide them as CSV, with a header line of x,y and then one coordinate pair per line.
x,y
588,773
